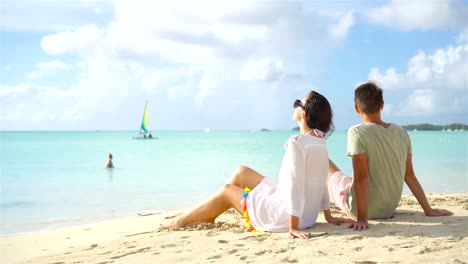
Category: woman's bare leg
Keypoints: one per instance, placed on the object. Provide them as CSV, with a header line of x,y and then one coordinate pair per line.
x,y
245,177
332,168
227,197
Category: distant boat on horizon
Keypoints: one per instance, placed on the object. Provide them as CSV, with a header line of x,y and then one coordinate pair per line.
x,y
144,126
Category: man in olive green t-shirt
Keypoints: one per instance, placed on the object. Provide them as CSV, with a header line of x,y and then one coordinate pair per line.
x,y
381,156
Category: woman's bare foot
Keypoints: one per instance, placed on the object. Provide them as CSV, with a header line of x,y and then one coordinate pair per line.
x,y
174,224
199,223
170,225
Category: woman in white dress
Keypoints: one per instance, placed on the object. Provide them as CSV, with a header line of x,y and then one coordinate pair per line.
x,y
295,203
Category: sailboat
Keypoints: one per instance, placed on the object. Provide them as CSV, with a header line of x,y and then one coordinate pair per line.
x,y
144,126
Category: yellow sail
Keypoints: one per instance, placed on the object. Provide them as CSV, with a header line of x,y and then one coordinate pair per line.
x,y
144,125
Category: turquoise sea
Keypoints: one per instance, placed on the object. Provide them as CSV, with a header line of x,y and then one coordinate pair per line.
x,y
51,178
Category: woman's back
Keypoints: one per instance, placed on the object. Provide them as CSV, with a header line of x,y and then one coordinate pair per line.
x,y
301,189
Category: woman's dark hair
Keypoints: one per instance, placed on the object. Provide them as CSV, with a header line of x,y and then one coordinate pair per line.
x,y
368,97
319,114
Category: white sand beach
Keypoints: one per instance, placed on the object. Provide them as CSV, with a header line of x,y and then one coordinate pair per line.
x,y
409,237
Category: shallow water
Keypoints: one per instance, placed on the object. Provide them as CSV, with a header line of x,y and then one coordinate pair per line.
x,y
47,177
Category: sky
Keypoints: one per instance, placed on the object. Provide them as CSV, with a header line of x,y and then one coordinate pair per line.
x,y
227,65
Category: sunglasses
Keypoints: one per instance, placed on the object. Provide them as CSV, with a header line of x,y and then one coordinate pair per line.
x,y
297,104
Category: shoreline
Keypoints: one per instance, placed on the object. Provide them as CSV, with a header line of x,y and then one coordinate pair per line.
x,y
64,223
409,237
76,222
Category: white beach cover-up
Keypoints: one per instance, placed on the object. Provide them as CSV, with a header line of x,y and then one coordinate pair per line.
x,y
301,189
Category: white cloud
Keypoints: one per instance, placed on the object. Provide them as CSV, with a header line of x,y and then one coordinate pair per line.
x,y
55,65
205,31
444,69
208,84
431,102
183,32
35,75
419,102
420,14
14,91
158,80
73,42
49,15
390,79
153,79
463,36
97,10
437,82
179,91
388,109
11,116
201,32
263,69
27,102
78,111
340,30
418,67
88,98
183,51
49,68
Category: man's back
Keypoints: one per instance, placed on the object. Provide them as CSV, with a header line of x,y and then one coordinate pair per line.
x,y
387,150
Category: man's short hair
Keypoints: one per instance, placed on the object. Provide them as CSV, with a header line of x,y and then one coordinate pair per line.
x,y
368,97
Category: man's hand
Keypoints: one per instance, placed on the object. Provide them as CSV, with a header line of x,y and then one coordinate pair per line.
x,y
438,212
418,191
294,233
359,225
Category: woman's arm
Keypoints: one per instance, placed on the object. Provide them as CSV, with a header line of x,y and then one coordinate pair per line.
x,y
295,197
294,228
296,178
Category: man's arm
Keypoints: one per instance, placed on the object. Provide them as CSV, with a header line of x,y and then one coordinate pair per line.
x,y
418,192
360,189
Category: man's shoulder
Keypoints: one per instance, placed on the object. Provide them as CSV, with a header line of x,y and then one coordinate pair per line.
x,y
364,127
355,127
397,127
359,128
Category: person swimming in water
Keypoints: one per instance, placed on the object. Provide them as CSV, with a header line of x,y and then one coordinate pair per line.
x,y
110,164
